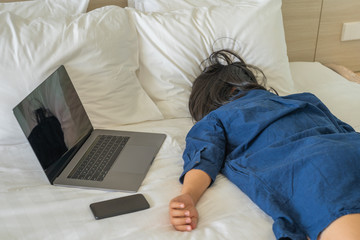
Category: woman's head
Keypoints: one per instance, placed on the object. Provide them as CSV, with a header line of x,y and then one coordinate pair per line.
x,y
225,74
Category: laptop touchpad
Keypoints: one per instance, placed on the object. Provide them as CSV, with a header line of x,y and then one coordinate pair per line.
x,y
134,159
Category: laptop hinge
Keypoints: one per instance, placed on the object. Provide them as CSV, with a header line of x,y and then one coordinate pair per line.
x,y
55,170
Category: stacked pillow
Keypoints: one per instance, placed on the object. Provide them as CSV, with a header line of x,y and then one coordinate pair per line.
x,y
173,43
98,49
132,65
31,10
164,5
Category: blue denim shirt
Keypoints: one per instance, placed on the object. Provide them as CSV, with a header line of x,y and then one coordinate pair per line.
x,y
265,144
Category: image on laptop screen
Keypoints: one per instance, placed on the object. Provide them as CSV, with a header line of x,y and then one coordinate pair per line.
x,y
54,121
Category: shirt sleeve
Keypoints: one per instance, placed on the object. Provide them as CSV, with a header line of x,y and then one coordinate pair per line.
x,y
205,147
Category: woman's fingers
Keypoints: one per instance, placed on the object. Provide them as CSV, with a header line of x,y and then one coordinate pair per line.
x,y
182,224
179,217
179,213
177,205
178,221
183,214
183,228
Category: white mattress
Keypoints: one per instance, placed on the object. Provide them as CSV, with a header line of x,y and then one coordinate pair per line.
x,y
31,208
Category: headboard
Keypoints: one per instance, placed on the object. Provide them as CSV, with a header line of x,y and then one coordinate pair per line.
x,y
313,31
312,27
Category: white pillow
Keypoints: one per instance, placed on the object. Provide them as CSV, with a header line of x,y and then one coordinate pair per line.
x,y
172,45
99,51
165,5
44,8
341,96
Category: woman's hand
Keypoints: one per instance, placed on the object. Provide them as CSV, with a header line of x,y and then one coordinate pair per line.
x,y
183,214
182,211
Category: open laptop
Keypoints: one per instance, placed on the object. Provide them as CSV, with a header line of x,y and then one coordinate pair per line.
x,y
54,121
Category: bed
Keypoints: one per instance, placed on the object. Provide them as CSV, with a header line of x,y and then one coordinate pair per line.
x,y
133,68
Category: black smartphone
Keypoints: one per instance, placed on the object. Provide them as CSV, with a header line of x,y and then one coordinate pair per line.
x,y
118,206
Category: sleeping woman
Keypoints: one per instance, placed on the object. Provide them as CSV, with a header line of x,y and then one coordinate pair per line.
x,y
289,154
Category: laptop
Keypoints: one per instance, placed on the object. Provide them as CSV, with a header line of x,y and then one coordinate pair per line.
x,y
73,153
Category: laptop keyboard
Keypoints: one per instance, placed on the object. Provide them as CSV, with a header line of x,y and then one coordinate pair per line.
x,y
99,158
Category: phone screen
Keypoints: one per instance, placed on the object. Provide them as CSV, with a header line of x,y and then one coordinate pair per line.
x,y
118,206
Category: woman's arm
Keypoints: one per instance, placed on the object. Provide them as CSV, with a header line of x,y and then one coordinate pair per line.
x,y
182,210
203,156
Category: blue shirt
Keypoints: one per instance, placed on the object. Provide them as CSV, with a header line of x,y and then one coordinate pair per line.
x,y
269,146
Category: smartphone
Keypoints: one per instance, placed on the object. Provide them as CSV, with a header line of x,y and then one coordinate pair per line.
x,y
118,206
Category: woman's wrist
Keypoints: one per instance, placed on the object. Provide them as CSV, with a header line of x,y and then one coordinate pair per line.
x,y
195,183
191,194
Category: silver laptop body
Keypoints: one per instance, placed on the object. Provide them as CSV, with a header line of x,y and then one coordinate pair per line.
x,y
59,131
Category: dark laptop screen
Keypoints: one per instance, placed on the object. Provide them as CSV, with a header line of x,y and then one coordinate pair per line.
x,y
54,121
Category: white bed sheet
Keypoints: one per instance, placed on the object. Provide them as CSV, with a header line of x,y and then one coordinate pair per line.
x,y
31,208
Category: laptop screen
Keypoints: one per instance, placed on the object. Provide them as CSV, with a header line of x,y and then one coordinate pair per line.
x,y
54,121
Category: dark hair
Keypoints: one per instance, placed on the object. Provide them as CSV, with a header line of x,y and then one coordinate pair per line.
x,y
225,74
